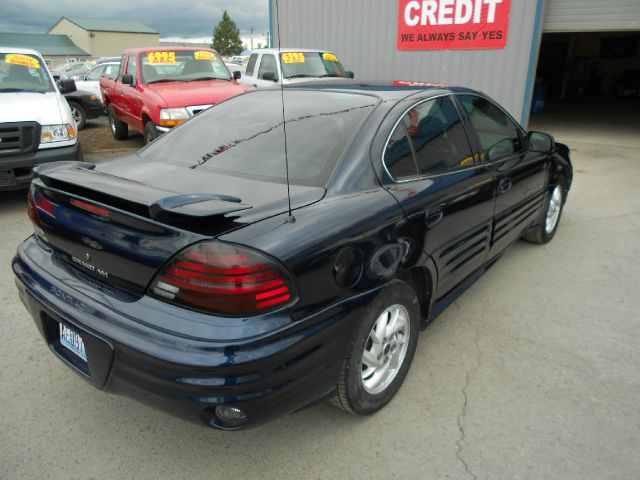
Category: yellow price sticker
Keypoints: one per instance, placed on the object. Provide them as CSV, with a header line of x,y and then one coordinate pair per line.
x,y
204,55
23,60
329,57
293,57
161,57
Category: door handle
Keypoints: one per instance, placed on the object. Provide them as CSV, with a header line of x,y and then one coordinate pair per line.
x,y
504,185
433,217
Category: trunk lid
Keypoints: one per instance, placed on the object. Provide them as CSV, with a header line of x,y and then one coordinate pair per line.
x,y
121,228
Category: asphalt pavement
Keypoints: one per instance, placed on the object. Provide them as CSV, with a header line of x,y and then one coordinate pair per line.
x,y
534,373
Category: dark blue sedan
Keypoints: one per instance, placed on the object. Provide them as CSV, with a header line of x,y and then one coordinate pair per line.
x,y
213,276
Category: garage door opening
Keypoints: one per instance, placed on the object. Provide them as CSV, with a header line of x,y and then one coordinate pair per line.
x,y
589,82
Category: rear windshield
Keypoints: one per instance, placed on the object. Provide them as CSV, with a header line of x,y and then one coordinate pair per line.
x,y
21,72
311,65
244,136
182,66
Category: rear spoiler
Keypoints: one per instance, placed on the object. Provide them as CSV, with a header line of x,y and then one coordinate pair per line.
x,y
162,205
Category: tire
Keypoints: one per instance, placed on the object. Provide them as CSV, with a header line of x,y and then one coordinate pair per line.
x,y
150,132
79,114
364,388
119,129
550,217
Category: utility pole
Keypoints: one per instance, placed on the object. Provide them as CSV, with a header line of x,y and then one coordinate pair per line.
x,y
251,30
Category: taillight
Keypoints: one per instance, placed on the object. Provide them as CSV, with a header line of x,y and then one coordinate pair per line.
x,y
31,208
225,279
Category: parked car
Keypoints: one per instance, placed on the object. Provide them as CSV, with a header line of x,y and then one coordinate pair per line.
x,y
76,70
233,68
36,125
84,105
90,82
159,88
187,278
269,66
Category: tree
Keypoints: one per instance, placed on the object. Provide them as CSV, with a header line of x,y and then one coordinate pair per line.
x,y
226,37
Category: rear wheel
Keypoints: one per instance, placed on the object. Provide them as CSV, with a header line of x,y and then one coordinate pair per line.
x,y
79,114
550,219
380,352
150,132
119,129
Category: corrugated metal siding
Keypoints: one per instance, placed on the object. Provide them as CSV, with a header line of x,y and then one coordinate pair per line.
x,y
363,34
591,15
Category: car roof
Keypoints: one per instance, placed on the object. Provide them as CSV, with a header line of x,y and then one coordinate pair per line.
x,y
164,48
395,90
279,50
29,51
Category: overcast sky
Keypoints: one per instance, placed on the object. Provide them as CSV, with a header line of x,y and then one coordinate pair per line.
x,y
176,19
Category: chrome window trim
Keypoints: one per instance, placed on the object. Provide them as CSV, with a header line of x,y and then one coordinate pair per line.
x,y
433,175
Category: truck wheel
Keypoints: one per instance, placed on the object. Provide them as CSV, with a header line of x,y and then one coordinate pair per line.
x,y
150,132
119,129
79,114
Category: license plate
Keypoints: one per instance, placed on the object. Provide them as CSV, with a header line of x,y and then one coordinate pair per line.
x,y
7,178
71,340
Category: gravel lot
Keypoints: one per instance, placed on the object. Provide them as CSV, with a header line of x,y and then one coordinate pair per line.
x,y
532,374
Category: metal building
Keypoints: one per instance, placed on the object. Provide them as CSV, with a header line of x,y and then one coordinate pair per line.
x,y
364,33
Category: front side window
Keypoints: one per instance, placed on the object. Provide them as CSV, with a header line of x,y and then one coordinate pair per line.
x,y
21,72
267,64
430,139
111,71
132,68
96,73
498,134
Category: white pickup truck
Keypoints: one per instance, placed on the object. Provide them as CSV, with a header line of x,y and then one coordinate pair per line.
x,y
36,125
271,66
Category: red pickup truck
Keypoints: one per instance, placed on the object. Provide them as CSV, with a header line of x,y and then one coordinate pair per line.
x,y
158,88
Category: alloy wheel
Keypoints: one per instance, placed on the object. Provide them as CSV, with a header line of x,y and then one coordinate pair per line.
x,y
553,212
385,349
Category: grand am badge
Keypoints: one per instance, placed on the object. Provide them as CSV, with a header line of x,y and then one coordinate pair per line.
x,y
92,268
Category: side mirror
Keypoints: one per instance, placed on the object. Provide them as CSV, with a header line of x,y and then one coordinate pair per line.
x,y
541,142
127,79
237,75
270,76
350,74
67,86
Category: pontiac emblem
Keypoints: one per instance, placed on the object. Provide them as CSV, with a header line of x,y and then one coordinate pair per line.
x,y
87,257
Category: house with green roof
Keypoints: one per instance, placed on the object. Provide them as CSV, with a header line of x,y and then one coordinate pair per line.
x,y
103,37
55,49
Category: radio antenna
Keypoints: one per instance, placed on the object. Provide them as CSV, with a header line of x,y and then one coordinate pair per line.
x,y
290,218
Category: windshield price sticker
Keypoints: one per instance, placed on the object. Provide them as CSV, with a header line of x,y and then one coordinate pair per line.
x,y
293,57
24,60
161,57
203,55
329,57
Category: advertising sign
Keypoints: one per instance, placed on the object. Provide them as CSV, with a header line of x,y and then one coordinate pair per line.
x,y
453,24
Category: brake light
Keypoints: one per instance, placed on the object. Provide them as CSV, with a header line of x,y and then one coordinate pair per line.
x,y
90,207
225,279
31,209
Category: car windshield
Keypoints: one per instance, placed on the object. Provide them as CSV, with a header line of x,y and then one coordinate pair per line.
x,y
182,66
311,64
21,72
244,136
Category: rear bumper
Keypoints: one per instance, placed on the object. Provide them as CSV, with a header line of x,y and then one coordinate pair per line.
x,y
266,376
18,169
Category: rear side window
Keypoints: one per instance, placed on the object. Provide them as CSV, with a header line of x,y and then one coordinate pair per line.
x,y
267,64
498,134
430,139
132,68
251,65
